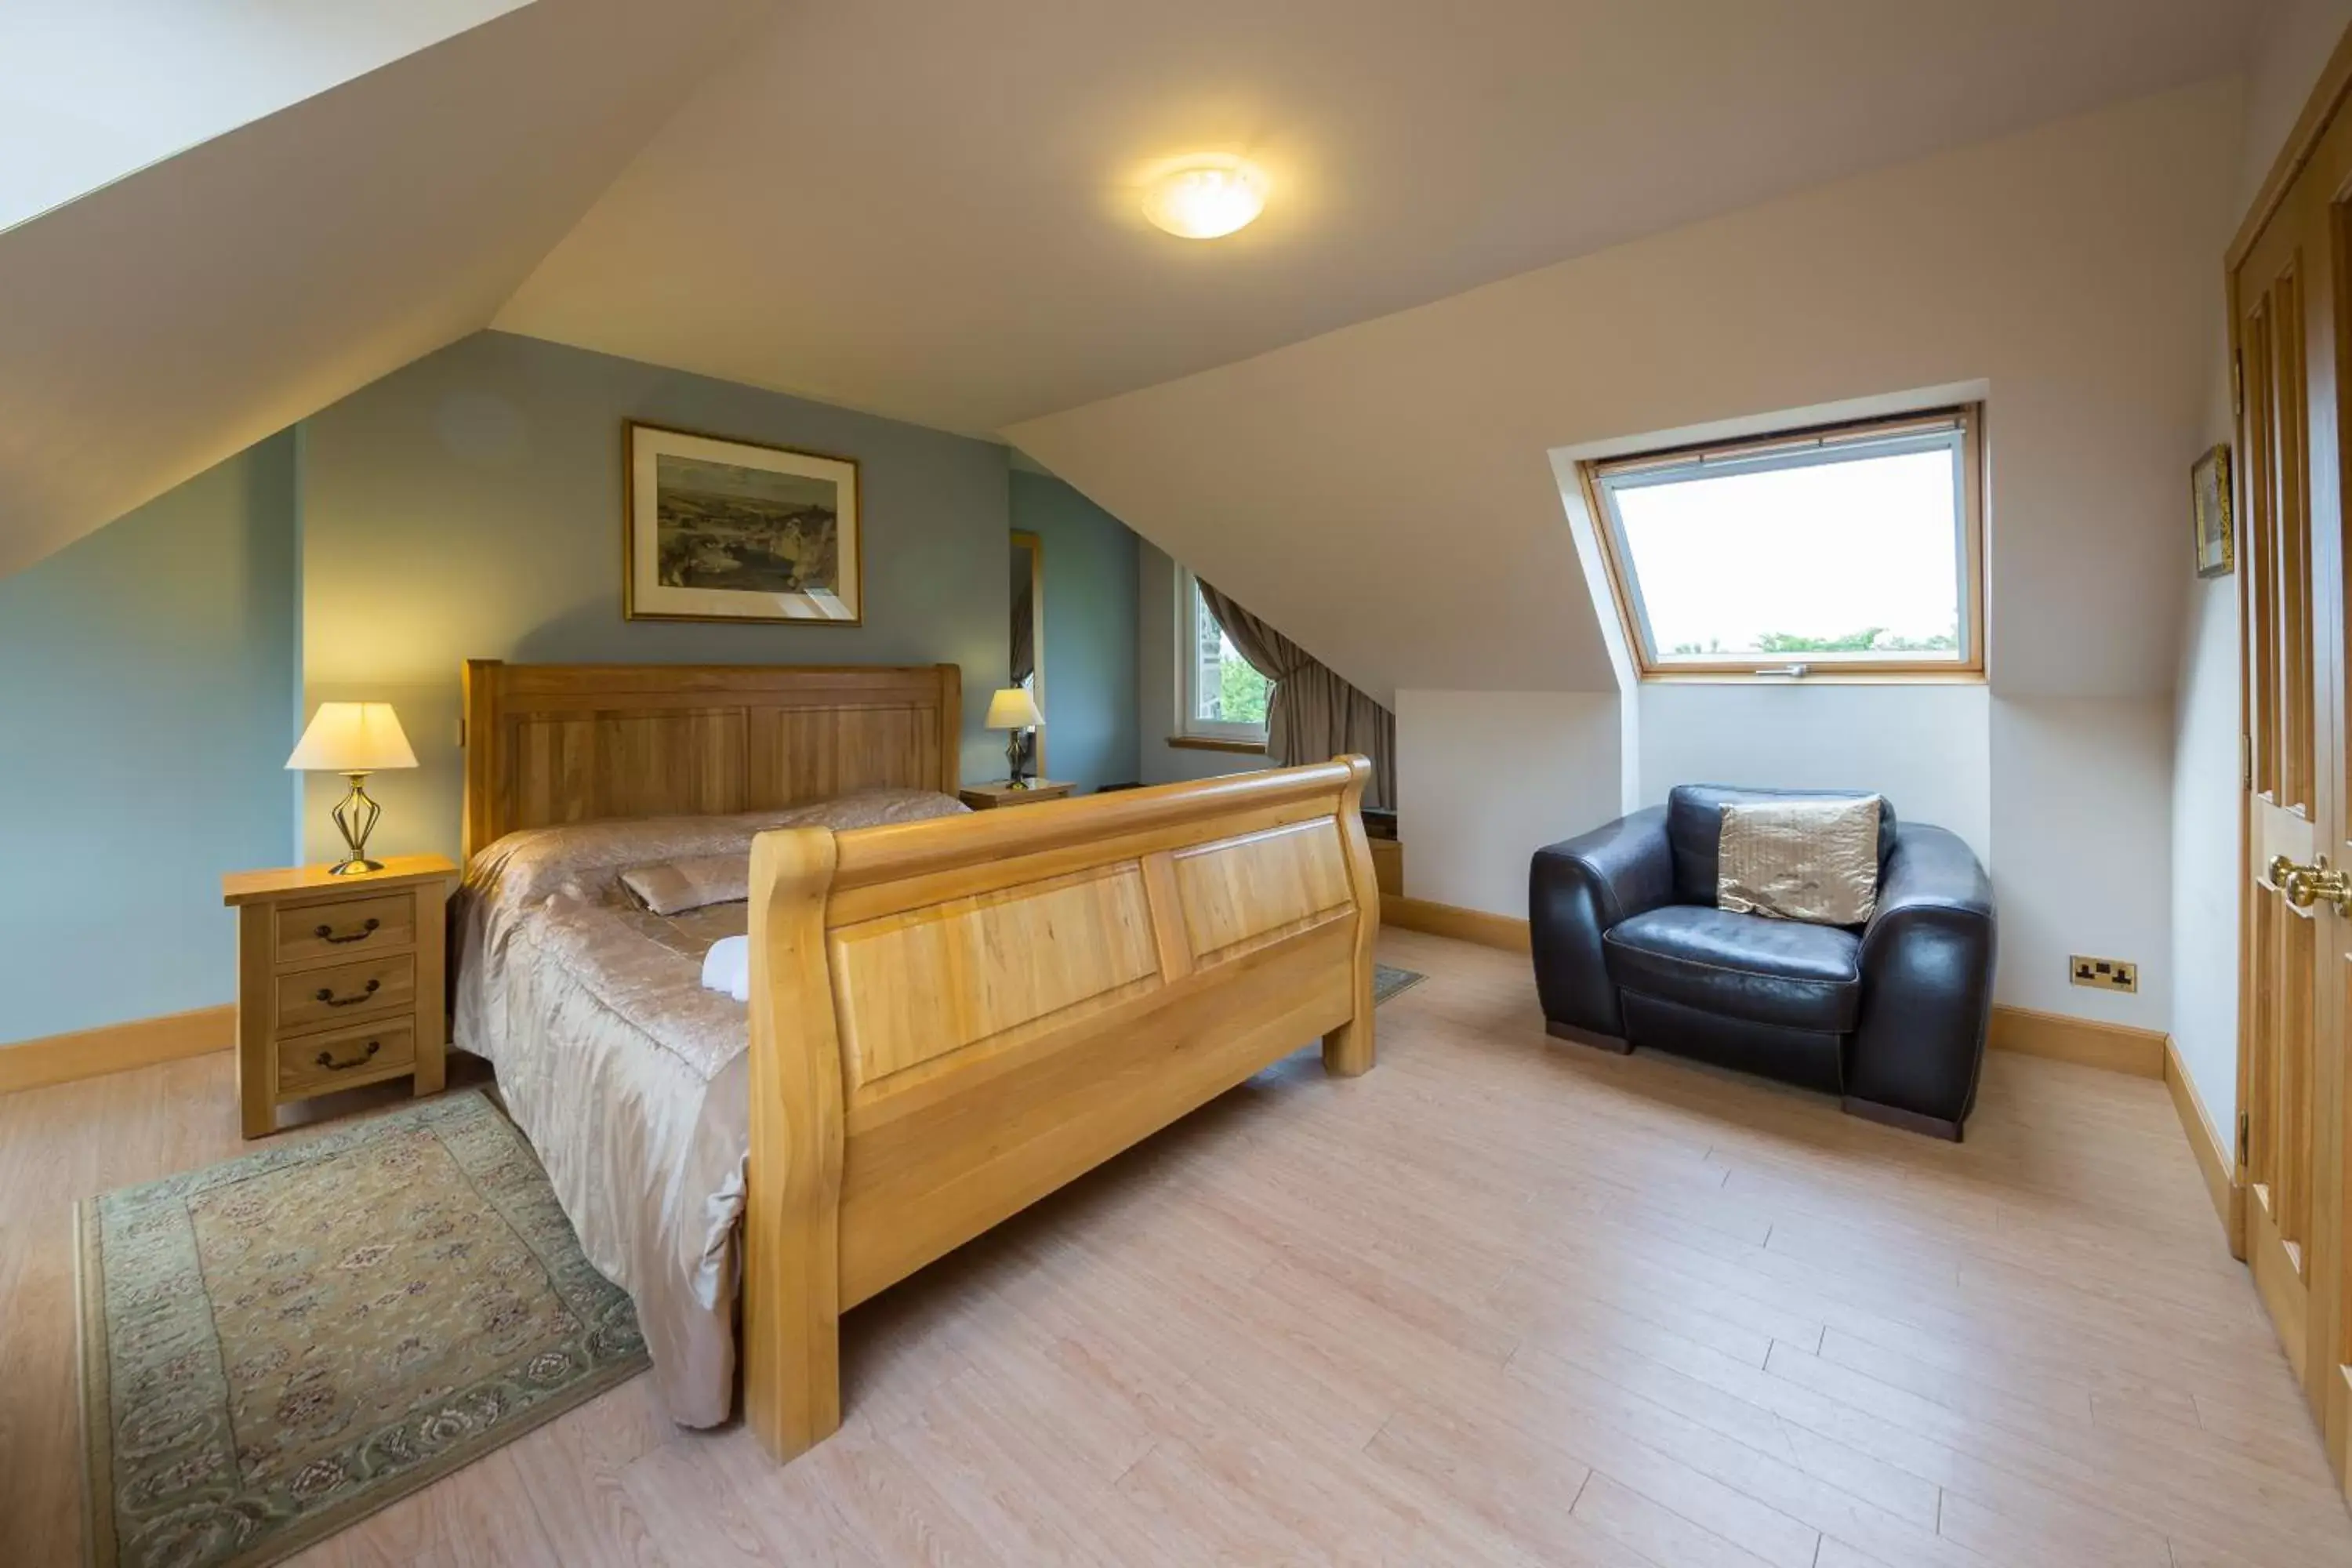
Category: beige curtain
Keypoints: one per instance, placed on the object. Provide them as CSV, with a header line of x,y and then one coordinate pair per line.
x,y
1311,715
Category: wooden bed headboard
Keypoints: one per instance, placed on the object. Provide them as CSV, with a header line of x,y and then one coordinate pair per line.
x,y
548,744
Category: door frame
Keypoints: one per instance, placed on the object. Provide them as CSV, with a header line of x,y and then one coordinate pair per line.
x,y
2328,96
2328,1383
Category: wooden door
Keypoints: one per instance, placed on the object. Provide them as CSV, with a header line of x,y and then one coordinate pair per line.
x,y
2286,277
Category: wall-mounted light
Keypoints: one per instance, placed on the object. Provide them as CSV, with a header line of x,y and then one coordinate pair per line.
x,y
1206,196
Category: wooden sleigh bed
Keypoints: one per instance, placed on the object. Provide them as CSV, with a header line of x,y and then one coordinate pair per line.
x,y
948,1019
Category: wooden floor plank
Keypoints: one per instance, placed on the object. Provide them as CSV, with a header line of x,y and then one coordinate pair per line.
x,y
1501,1301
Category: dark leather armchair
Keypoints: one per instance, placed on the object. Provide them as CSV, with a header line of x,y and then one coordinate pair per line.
x,y
1630,950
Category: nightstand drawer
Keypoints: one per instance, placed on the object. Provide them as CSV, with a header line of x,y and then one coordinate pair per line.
x,y
341,981
347,927
323,1062
334,992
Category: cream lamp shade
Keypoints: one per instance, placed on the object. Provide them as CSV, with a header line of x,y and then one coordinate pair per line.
x,y
352,737
1014,708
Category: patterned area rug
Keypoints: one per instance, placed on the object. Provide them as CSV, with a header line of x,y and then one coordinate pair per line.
x,y
1388,981
278,1346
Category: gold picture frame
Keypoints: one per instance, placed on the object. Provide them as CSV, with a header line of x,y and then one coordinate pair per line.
x,y
716,529
2213,535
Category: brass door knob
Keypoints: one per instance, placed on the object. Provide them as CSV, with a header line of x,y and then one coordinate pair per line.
x,y
2303,889
2281,868
2304,886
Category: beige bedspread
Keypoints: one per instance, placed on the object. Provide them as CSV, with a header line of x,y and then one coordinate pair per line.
x,y
629,1078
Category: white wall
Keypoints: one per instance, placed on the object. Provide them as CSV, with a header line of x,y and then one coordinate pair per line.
x,y
1925,747
1155,683
1486,778
2082,808
2066,801
2204,843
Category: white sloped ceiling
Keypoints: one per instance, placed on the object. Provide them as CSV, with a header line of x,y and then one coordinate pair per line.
x,y
926,208
169,319
92,90
1385,494
1343,414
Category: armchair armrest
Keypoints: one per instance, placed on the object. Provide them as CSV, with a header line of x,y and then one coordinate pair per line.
x,y
1927,984
1577,889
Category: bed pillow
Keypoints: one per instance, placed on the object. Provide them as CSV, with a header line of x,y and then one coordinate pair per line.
x,y
1812,859
521,870
674,887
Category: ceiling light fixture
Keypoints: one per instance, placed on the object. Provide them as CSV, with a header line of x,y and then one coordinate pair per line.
x,y
1205,197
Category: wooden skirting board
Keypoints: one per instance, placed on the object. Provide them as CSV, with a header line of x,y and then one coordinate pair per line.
x,y
2216,1160
1448,920
2114,1046
89,1053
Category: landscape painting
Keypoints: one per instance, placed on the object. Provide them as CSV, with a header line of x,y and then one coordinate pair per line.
x,y
2209,493
722,530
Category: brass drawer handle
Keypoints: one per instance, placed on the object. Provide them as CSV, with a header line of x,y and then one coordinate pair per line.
x,y
327,1058
326,994
327,933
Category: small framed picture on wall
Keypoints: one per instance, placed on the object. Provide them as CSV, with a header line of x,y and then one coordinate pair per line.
x,y
2216,536
729,530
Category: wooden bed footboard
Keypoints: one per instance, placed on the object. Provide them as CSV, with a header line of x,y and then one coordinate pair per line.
x,y
950,1019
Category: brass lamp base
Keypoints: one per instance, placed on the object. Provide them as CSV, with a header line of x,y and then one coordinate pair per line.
x,y
1013,779
355,817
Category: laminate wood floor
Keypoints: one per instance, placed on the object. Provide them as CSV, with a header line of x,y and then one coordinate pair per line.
x,y
1501,1301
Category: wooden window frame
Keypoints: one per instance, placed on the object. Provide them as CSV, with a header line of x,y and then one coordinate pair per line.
x,y
1204,734
1623,584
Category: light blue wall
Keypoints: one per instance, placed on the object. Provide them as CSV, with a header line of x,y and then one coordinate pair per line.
x,y
468,506
147,701
153,675
1090,724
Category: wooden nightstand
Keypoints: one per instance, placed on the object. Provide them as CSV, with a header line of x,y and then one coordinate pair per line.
x,y
989,796
339,981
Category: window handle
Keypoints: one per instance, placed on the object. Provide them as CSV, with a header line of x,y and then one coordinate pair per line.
x,y
1789,671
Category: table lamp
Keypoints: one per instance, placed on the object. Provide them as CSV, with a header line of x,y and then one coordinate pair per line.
x,y
1014,708
354,739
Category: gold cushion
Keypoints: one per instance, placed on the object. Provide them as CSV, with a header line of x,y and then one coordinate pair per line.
x,y
1811,860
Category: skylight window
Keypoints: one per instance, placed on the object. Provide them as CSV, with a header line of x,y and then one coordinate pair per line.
x,y
1850,549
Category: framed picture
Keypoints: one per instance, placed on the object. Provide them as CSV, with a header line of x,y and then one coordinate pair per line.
x,y
2215,537
729,530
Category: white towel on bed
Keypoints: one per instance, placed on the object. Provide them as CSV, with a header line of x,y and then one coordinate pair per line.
x,y
728,967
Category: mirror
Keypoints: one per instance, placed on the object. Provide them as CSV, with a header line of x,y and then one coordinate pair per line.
x,y
1028,642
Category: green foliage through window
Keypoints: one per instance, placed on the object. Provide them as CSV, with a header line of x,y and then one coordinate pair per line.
x,y
1241,690
1227,689
1870,640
